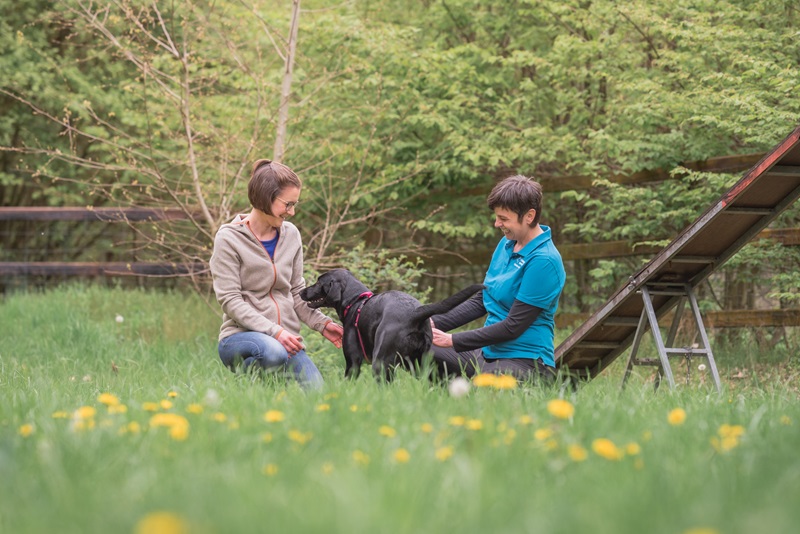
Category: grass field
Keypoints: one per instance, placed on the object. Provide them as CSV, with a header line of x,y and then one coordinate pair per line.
x,y
116,416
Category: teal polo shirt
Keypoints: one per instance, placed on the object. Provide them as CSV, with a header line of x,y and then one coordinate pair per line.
x,y
535,275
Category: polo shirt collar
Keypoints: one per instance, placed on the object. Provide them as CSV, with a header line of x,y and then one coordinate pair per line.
x,y
535,243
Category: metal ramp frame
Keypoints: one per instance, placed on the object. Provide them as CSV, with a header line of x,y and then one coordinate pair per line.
x,y
648,318
764,191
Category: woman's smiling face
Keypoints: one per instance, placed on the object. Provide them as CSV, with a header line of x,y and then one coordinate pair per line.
x,y
508,222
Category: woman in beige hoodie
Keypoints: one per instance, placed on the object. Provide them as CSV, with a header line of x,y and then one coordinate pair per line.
x,y
257,266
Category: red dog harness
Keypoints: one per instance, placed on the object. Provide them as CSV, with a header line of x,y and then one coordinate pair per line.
x,y
368,295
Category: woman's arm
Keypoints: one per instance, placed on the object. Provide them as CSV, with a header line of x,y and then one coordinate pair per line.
x,y
519,318
467,311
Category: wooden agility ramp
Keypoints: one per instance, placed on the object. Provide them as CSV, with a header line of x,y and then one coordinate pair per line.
x,y
670,278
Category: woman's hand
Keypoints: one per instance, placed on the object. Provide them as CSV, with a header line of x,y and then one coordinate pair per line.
x,y
292,343
442,339
333,333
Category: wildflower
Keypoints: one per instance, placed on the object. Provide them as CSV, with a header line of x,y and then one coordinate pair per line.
x,y
474,424
443,453
427,428
728,437
505,382
525,420
457,420
361,457
458,387
323,407
786,420
402,456
172,394
266,437
632,449
119,318
118,408
327,468
387,431
353,408
676,417
108,399
300,437
84,412
731,431
484,380
134,427
274,416
701,530
577,453
25,430
150,406
561,408
270,470
543,434
166,404
606,448
60,415
177,424
509,436
333,395
220,417
195,408
162,523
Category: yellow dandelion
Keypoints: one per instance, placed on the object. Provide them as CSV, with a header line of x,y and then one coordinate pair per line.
x,y
83,424
361,457
731,431
84,412
177,424
179,432
219,417
327,468
172,394
484,380
505,382
195,408
60,415
786,420
632,449
280,396
118,408
266,437
162,523
543,434
607,449
427,428
701,530
134,427
676,417
274,416
324,407
457,420
300,437
387,431
443,453
401,456
108,399
525,420
270,470
150,406
233,425
509,436
25,430
353,408
332,395
577,453
474,424
165,404
561,408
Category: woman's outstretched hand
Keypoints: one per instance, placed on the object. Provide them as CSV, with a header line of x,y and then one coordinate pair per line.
x,y
333,333
442,339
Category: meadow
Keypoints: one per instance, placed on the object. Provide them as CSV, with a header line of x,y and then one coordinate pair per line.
x,y
116,416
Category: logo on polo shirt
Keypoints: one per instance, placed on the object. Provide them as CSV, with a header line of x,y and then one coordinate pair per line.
x,y
519,263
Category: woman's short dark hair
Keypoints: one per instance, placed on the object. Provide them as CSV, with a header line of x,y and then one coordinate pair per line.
x,y
267,180
519,194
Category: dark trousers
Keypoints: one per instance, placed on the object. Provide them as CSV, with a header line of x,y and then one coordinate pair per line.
x,y
470,363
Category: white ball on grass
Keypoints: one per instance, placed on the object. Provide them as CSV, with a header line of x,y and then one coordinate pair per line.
x,y
458,387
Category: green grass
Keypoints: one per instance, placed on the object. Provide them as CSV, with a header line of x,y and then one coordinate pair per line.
x,y
332,464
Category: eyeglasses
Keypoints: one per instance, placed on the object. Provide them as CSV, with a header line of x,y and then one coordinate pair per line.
x,y
289,205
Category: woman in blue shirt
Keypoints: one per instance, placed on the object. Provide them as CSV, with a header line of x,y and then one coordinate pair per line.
x,y
523,285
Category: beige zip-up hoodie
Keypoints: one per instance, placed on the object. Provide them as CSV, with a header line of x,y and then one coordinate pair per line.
x,y
258,293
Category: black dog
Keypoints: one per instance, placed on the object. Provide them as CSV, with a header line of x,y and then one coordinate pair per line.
x,y
389,329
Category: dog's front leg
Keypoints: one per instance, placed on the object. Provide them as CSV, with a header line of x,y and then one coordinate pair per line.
x,y
352,354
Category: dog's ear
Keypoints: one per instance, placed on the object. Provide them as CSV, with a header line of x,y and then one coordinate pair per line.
x,y
333,290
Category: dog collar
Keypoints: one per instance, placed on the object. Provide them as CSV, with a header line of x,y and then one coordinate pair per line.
x,y
367,294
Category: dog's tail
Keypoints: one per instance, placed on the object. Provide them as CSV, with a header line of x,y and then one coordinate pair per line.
x,y
425,312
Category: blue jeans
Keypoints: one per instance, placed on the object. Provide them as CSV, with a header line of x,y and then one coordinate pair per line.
x,y
247,349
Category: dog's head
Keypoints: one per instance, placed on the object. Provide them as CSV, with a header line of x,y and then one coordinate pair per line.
x,y
327,291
